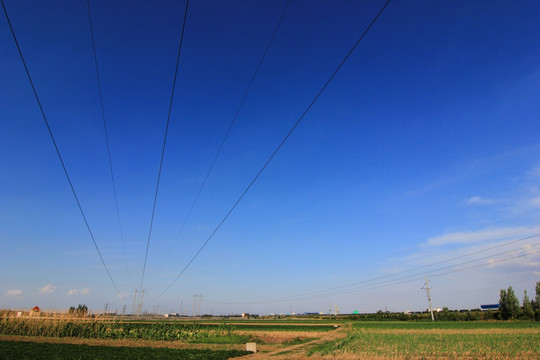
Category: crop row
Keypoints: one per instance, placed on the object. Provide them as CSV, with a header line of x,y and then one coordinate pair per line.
x,y
447,345
109,330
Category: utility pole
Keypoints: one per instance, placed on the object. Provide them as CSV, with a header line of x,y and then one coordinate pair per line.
x,y
200,300
124,310
194,300
429,297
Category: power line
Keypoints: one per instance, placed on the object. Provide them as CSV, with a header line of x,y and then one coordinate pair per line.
x,y
391,282
444,273
227,132
419,267
397,281
280,145
107,136
56,146
164,142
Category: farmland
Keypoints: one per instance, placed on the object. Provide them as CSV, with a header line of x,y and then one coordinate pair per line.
x,y
276,339
443,340
19,350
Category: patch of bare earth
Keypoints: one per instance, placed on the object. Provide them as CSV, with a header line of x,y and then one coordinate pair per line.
x,y
299,351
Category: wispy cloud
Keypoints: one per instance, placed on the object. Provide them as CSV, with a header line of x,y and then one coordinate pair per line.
x,y
535,202
527,256
73,292
471,169
478,200
14,292
47,289
469,237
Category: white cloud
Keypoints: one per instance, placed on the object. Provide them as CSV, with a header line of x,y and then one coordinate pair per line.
x,y
535,202
535,172
121,295
73,292
14,292
526,257
481,235
478,200
47,289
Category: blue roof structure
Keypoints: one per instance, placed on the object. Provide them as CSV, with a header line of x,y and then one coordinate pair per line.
x,y
490,307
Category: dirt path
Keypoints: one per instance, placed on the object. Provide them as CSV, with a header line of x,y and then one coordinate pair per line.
x,y
298,351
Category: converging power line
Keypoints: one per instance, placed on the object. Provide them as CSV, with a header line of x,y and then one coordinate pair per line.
x,y
164,142
56,147
107,137
278,147
209,171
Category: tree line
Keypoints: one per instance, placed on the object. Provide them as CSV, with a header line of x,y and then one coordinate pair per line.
x,y
509,307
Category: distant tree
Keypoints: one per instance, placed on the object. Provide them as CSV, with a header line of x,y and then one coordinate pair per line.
x,y
537,298
508,304
80,310
489,315
528,311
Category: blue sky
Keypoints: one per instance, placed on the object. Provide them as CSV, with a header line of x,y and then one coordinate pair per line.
x,y
422,149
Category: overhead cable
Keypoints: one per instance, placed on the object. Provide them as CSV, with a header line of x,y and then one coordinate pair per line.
x,y
228,131
107,136
56,147
356,284
278,147
164,142
396,281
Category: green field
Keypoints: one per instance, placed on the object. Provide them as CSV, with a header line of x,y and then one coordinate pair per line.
x,y
18,350
412,340
419,325
443,340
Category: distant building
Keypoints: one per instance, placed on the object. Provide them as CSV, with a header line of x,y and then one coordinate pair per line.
x,y
35,311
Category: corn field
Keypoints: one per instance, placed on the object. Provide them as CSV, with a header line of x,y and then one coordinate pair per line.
x,y
109,329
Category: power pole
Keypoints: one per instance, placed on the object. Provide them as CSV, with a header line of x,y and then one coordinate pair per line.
x,y
200,300
429,297
124,310
181,304
194,300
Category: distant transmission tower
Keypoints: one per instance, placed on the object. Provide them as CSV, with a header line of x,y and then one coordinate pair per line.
x,y
141,297
134,302
427,288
